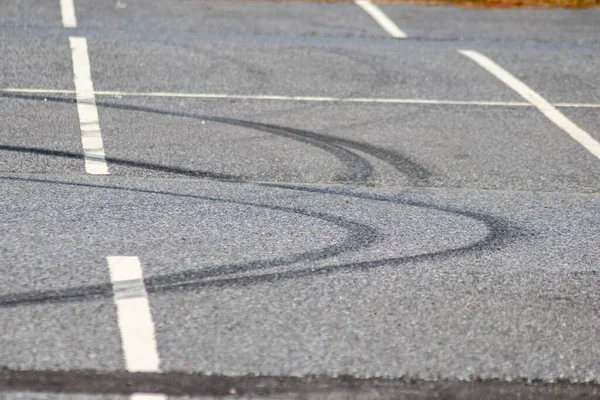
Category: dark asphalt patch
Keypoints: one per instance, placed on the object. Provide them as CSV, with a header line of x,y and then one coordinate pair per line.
x,y
309,387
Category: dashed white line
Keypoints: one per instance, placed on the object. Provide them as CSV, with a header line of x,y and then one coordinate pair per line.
x,y
67,10
298,98
134,319
578,134
383,20
91,137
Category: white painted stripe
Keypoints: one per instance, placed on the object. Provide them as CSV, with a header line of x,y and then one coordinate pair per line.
x,y
298,98
67,9
578,134
38,91
134,319
133,314
91,137
383,20
577,105
306,98
147,396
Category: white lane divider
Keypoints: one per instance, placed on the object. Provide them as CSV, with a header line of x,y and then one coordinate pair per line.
x,y
383,20
67,10
91,137
306,98
384,100
300,98
134,319
564,123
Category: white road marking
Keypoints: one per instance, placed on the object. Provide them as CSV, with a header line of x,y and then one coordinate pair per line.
x,y
38,91
147,396
307,98
304,98
67,10
576,105
134,319
578,134
383,20
299,98
91,137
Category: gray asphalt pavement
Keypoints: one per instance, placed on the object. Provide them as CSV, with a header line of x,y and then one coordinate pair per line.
x,y
320,211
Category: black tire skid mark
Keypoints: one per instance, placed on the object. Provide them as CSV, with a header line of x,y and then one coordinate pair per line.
x,y
360,236
360,168
357,168
191,279
500,233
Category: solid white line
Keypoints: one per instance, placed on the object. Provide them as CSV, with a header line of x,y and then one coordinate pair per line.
x,y
577,105
305,98
91,137
40,91
578,134
67,9
383,20
133,314
298,98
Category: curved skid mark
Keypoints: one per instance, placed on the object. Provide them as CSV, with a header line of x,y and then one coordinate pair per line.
x,y
360,169
357,169
360,236
500,233
402,164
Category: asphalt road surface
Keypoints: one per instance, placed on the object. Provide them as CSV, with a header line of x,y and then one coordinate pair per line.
x,y
298,200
